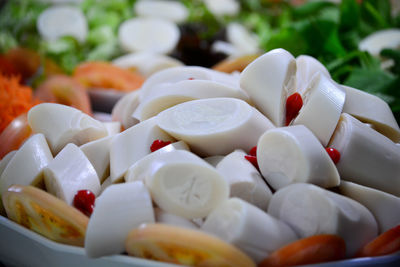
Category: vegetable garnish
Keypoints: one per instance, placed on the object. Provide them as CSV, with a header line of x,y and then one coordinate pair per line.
x,y
386,243
15,99
334,154
253,151
84,201
293,105
314,249
157,144
252,157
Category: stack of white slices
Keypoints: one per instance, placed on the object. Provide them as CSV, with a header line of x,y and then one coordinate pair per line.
x,y
183,161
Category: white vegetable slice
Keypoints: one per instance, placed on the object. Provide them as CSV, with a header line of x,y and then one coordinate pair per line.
x,y
268,80
244,180
172,219
373,110
173,75
123,109
119,209
133,144
26,165
138,171
214,160
223,7
307,67
294,155
154,35
106,183
62,124
366,156
242,39
146,63
323,103
112,127
170,10
5,160
382,205
98,153
69,172
215,126
183,91
312,210
183,184
249,228
61,20
375,42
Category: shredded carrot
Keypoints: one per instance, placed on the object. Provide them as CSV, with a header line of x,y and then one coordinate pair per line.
x,y
15,99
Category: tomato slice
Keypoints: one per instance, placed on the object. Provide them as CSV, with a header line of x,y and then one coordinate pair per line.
x,y
314,249
183,246
65,90
107,76
385,244
45,214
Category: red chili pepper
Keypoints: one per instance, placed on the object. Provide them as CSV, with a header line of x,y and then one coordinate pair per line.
x,y
253,151
252,160
293,105
157,144
334,154
84,201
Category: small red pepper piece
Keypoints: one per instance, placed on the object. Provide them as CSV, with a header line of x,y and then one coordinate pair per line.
x,y
191,78
293,105
252,160
253,151
334,154
84,201
157,144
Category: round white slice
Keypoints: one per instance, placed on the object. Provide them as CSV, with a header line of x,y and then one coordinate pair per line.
x,y
133,144
69,172
25,167
249,228
323,103
375,42
244,41
183,91
62,124
146,63
269,80
170,10
61,20
223,7
183,184
379,203
215,126
311,210
373,110
123,109
139,170
244,180
307,67
119,209
294,155
366,156
154,35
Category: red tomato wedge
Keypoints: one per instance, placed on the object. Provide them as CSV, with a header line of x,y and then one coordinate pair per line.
x,y
14,135
107,76
65,90
310,250
386,243
45,214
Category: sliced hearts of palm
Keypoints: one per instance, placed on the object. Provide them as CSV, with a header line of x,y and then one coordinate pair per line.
x,y
183,246
45,214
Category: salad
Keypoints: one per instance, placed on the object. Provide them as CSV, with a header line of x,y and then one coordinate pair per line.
x,y
216,169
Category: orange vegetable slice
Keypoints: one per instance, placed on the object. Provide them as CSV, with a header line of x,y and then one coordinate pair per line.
x,y
385,244
45,214
183,246
107,76
310,250
236,64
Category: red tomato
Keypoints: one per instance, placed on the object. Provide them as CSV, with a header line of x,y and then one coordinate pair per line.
x,y
14,135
